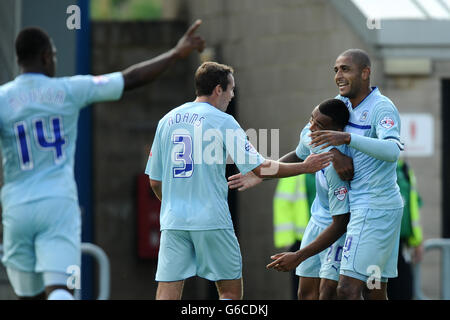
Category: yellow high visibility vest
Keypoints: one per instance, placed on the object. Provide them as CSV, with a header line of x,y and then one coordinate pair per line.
x,y
290,210
411,230
416,238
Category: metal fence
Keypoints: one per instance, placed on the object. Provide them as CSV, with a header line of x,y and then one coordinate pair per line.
x,y
444,246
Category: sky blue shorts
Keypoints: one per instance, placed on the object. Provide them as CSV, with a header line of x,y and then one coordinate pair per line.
x,y
42,236
211,254
372,244
324,265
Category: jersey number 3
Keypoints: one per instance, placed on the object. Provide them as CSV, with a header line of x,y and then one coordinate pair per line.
x,y
184,156
53,142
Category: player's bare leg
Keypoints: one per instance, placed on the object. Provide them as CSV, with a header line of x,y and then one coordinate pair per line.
x,y
230,289
328,289
170,290
308,288
350,288
376,293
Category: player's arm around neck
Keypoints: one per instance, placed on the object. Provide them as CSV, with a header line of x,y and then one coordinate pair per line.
x,y
145,72
275,169
385,150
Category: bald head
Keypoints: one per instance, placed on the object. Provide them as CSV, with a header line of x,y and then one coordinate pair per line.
x,y
358,57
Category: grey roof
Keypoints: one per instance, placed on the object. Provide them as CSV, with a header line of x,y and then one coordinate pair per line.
x,y
405,9
401,28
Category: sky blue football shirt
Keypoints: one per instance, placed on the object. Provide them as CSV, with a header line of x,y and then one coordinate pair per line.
x,y
374,183
331,192
38,131
189,156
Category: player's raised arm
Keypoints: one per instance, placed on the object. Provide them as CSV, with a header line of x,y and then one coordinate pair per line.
x,y
145,72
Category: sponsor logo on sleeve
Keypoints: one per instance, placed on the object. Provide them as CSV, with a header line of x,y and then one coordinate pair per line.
x,y
100,79
341,193
387,122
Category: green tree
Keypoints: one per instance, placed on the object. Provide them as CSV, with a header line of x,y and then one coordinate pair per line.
x,y
126,9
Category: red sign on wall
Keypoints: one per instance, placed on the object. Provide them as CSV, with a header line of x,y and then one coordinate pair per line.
x,y
148,207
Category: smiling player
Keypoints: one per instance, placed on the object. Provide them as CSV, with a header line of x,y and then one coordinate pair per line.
x,y
373,134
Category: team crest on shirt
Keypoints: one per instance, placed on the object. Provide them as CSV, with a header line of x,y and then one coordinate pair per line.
x,y
100,79
364,116
387,123
340,193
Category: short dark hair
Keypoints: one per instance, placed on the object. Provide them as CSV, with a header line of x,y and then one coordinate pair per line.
x,y
359,57
30,43
209,75
336,110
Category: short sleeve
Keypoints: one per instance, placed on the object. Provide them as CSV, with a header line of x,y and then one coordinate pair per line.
x,y
239,148
88,89
303,151
337,192
154,164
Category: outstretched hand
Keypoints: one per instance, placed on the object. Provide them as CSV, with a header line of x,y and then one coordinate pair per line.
x,y
243,182
189,41
285,261
328,138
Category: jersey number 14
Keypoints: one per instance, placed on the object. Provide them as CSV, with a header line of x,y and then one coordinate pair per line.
x,y
53,142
